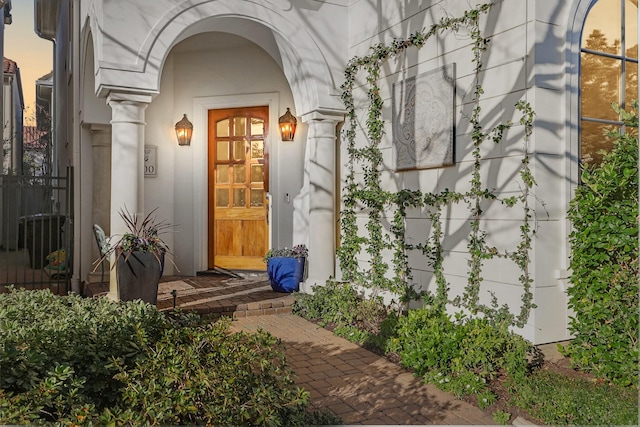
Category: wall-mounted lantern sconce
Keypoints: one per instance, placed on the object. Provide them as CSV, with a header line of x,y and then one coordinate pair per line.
x,y
287,126
184,130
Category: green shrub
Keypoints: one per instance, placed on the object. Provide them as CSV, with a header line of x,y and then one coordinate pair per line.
x,y
489,348
427,339
46,339
208,376
78,361
345,310
604,263
458,356
559,400
332,304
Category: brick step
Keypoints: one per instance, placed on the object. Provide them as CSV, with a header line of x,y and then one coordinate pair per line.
x,y
216,296
238,306
277,306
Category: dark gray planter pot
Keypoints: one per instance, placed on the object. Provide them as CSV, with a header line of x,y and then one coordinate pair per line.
x,y
138,276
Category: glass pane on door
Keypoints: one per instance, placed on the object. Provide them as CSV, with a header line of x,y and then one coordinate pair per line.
x,y
239,126
222,197
257,173
222,151
257,197
239,197
222,129
239,174
238,150
257,149
222,174
257,126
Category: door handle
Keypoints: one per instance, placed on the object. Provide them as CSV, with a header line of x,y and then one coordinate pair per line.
x,y
266,206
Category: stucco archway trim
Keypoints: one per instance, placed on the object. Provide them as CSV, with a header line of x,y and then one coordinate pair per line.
x,y
578,14
305,65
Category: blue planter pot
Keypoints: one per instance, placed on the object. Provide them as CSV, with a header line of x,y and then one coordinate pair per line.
x,y
285,274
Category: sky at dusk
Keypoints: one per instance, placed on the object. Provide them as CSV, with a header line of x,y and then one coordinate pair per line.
x,y
33,55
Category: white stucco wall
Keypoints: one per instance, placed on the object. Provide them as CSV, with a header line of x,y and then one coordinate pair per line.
x,y
292,54
524,61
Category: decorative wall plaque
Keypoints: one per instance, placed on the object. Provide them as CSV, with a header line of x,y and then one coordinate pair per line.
x,y
423,120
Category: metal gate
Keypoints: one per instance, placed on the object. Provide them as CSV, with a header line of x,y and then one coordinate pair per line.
x,y
36,232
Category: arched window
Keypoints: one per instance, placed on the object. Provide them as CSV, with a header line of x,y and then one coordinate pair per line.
x,y
608,72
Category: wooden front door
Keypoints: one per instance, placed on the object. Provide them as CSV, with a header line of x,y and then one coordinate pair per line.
x,y
238,186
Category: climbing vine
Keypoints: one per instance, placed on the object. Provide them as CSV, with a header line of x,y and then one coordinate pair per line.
x,y
364,192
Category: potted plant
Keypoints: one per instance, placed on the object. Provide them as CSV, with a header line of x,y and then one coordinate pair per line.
x,y
139,257
286,267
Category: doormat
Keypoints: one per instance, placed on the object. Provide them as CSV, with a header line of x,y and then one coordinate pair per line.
x,y
219,271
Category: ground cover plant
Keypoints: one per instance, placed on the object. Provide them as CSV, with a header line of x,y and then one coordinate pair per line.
x,y
75,361
575,399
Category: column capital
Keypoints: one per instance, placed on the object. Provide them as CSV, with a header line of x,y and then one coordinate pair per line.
x,y
100,135
98,128
128,98
324,115
128,107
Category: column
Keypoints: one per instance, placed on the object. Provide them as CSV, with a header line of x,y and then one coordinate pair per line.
x,y
101,181
127,162
322,204
101,163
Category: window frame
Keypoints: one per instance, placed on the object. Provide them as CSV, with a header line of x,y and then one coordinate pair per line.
x,y
621,57
576,19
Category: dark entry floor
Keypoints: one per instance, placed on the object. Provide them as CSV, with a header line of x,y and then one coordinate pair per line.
x,y
238,295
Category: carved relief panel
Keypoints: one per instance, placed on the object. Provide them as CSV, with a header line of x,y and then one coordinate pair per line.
x,y
423,120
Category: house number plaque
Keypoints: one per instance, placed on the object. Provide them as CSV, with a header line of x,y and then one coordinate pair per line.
x,y
150,161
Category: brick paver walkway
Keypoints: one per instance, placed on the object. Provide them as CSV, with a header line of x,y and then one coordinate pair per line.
x,y
356,384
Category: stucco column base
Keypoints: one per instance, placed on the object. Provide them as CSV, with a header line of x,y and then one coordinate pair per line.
x,y
322,250
320,165
127,164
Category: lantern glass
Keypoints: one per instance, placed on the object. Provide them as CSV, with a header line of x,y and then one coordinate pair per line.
x,y
287,124
184,130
